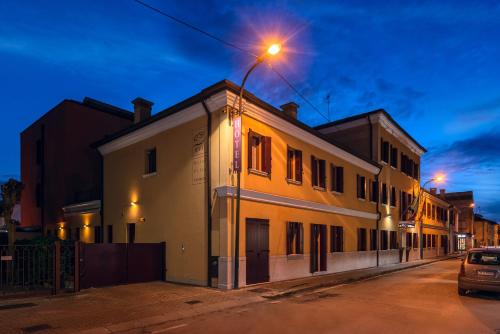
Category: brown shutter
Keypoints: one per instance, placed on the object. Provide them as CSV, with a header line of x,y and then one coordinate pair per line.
x,y
300,242
266,154
298,166
314,170
249,151
289,162
322,173
340,179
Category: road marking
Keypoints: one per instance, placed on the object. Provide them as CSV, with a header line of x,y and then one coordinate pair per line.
x,y
169,329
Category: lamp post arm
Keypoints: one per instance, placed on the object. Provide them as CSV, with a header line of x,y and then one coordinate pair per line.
x,y
242,87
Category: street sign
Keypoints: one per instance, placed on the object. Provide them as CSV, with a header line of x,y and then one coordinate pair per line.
x,y
237,144
406,224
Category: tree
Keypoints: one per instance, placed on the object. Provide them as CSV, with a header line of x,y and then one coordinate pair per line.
x,y
11,195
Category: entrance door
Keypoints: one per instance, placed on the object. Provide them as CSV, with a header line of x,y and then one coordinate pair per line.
x,y
257,250
318,247
444,244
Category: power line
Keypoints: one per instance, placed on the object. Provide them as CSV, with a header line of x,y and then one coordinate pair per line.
x,y
234,46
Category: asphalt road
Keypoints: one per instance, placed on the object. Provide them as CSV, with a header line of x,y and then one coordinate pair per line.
x,y
419,300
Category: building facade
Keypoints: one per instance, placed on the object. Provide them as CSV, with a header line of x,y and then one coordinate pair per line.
x,y
485,232
464,203
308,205
60,169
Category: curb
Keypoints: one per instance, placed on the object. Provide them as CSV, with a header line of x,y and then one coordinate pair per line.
x,y
291,292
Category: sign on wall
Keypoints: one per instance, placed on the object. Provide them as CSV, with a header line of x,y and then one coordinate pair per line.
x,y
237,144
199,156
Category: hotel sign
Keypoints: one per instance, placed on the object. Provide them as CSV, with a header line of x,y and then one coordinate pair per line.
x,y
407,224
237,144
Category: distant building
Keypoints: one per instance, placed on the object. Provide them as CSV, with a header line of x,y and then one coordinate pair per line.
x,y
464,202
58,166
485,232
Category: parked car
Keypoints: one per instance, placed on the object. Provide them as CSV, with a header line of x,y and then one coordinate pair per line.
x,y
480,270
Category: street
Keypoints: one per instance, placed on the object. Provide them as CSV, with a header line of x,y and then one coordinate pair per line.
x,y
419,300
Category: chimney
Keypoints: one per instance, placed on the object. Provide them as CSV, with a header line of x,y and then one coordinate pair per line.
x,y
442,192
290,109
433,191
142,109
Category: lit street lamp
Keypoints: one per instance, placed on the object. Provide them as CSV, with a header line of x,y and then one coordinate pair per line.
x,y
272,50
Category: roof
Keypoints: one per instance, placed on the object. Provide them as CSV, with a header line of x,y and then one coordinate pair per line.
x,y
437,197
480,217
232,87
366,114
462,195
93,104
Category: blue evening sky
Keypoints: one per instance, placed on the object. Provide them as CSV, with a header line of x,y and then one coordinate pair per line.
x,y
433,65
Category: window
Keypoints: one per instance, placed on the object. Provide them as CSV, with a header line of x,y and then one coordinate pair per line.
x,y
393,196
394,240
384,240
408,240
337,178
373,240
394,157
39,152
97,234
150,161
361,239
415,240
294,238
433,241
361,186
404,205
374,191
428,210
484,258
38,195
110,234
77,234
294,165
336,239
131,233
259,152
384,193
429,242
318,176
416,171
433,212
384,150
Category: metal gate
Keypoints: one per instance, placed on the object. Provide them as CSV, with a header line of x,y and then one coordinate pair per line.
x,y
26,268
120,263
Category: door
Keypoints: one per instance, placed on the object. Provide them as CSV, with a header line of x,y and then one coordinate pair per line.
x,y
318,247
257,250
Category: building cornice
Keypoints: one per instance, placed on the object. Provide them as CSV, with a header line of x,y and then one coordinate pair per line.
x,y
256,196
83,207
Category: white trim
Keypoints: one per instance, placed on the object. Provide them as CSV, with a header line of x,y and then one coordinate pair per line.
x,y
252,195
276,122
214,102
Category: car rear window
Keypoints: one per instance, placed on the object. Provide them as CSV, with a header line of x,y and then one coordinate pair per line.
x,y
484,258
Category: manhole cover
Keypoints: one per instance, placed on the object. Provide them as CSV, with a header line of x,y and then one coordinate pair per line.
x,y
13,306
36,328
192,302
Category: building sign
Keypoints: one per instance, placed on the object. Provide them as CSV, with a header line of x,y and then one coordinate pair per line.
x,y
237,144
6,258
199,156
406,224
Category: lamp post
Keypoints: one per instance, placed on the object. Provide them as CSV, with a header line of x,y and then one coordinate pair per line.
x,y
273,50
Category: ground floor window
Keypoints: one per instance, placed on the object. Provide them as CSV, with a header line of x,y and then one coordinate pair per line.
x,y
433,241
336,239
373,240
415,240
384,240
131,233
409,240
97,234
394,240
361,239
294,238
424,240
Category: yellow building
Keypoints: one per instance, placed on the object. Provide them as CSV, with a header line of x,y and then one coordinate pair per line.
x,y
485,232
308,205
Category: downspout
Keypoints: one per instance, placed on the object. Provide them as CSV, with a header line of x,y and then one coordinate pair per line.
x,y
209,196
101,192
378,199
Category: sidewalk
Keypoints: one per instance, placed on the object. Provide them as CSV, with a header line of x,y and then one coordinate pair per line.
x,y
130,307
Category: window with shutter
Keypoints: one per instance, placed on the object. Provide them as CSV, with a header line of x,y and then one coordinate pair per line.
x,y
394,239
374,191
361,239
373,240
336,239
259,153
336,178
384,244
361,186
318,173
415,240
150,162
384,149
394,157
295,238
393,196
384,193
294,166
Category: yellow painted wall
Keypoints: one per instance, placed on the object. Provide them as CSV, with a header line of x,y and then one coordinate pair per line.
x,y
85,222
171,204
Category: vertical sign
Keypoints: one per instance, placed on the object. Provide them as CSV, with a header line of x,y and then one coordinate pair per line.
x,y
199,156
237,144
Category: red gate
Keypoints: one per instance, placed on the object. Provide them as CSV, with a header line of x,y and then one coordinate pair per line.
x,y
113,264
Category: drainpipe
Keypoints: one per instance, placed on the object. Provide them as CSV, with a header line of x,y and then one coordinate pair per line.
x,y
378,199
209,196
101,193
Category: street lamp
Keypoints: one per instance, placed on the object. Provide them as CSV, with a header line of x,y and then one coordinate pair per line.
x,y
272,51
